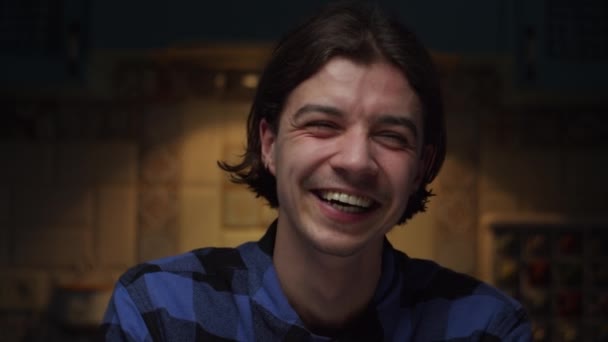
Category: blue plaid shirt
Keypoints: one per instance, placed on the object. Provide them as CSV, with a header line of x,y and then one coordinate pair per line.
x,y
233,294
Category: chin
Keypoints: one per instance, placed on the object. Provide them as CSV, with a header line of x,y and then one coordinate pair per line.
x,y
338,250
340,244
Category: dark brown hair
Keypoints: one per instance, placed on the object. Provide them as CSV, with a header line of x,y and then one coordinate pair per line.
x,y
363,34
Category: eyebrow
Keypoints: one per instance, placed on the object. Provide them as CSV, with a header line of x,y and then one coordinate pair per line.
x,y
309,108
385,119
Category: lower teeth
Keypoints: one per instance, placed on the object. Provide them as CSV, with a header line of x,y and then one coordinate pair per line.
x,y
348,209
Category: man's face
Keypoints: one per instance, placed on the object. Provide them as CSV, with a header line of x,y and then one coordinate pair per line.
x,y
346,155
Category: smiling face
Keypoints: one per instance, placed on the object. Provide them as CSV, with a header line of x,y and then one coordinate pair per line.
x,y
346,156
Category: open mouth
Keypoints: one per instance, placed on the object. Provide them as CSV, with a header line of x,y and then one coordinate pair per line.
x,y
346,202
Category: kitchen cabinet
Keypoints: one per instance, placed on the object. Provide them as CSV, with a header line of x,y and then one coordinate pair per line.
x,y
42,42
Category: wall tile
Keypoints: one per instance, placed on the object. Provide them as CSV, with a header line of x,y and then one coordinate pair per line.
x,y
157,207
15,326
456,252
493,198
115,163
4,203
5,242
234,129
156,244
79,121
116,226
457,172
23,290
8,157
539,130
240,208
202,142
199,217
417,236
160,163
33,163
5,226
54,247
161,124
53,206
101,278
590,202
535,170
497,191
521,171
456,210
463,129
74,163
542,200
587,129
234,238
585,170
499,131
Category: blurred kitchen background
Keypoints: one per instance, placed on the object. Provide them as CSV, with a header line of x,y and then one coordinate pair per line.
x,y
115,112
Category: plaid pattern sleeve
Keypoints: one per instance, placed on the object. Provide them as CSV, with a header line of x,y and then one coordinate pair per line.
x,y
224,294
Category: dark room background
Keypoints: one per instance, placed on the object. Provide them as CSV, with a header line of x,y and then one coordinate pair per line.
x,y
114,113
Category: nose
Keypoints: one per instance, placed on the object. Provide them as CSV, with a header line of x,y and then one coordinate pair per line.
x,y
354,157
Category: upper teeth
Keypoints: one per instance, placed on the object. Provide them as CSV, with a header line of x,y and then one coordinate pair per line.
x,y
346,198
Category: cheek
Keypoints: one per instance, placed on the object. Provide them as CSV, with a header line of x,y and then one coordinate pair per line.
x,y
401,172
305,152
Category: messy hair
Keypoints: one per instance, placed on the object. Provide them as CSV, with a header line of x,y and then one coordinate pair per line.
x,y
363,34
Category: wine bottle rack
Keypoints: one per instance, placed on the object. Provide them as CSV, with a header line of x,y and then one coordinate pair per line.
x,y
559,272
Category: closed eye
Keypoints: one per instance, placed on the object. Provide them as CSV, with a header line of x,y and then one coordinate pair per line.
x,y
393,140
322,128
321,124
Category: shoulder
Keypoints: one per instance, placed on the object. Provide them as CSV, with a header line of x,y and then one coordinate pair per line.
x,y
197,265
174,297
467,305
426,281
174,282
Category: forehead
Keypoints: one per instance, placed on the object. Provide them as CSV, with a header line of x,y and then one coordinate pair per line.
x,y
353,87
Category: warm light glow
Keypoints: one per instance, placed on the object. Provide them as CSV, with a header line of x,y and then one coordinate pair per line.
x,y
250,80
220,80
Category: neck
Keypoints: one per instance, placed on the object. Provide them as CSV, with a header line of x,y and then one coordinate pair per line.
x,y
327,291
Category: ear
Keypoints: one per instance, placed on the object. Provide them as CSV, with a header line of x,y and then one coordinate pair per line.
x,y
267,140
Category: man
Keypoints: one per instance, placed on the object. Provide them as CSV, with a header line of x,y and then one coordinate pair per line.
x,y
345,133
